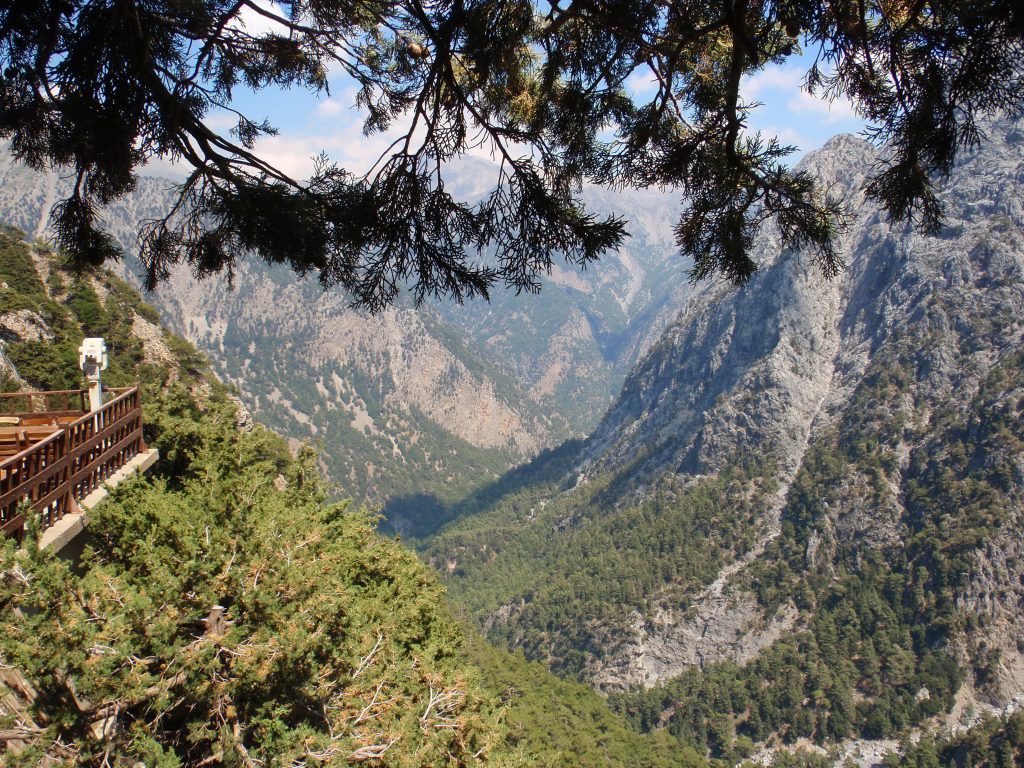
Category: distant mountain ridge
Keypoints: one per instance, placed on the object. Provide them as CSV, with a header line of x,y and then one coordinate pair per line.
x,y
782,447
414,404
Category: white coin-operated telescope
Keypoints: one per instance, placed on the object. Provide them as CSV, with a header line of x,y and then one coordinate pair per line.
x,y
92,358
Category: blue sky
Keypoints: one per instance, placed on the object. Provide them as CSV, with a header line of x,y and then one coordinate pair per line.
x,y
791,113
309,123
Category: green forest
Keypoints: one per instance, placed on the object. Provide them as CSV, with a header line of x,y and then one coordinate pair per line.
x,y
873,653
337,645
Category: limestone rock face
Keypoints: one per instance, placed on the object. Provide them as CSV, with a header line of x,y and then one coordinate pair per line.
x,y
884,359
741,370
24,325
768,370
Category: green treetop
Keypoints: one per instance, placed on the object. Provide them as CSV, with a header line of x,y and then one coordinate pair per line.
x,y
104,86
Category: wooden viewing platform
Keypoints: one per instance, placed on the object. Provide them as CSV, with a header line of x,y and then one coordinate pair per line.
x,y
56,454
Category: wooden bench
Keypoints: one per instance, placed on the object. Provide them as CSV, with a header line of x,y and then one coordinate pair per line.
x,y
48,419
14,440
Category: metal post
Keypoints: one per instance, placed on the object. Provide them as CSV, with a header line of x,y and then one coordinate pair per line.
x,y
92,357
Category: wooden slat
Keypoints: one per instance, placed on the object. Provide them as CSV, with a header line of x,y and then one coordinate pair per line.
x,y
47,416
104,458
85,447
48,393
13,526
82,395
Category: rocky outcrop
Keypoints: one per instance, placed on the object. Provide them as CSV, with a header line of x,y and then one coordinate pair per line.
x,y
769,369
24,325
740,370
425,375
771,377
722,627
154,346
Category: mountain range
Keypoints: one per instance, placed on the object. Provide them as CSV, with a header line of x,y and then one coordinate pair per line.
x,y
801,518
417,405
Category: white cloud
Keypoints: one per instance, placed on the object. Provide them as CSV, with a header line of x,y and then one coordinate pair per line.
x,y
772,78
642,83
220,121
295,154
788,111
257,24
343,142
329,108
776,82
788,135
835,111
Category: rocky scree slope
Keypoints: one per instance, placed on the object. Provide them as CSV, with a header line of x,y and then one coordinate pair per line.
x,y
419,403
781,441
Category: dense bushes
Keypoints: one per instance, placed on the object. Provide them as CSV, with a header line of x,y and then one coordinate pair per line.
x,y
336,641
993,743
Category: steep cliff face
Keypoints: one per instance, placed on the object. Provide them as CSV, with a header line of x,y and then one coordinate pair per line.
x,y
740,371
392,399
819,415
573,343
412,403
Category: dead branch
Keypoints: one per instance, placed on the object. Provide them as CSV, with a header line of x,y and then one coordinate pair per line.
x,y
236,733
370,752
367,711
365,661
442,703
21,733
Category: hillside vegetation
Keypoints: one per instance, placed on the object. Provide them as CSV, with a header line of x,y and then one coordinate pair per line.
x,y
225,612
800,521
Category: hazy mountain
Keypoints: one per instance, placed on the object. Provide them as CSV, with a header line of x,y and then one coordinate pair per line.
x,y
809,489
413,405
572,344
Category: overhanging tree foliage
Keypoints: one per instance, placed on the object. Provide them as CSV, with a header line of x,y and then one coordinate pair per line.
x,y
102,86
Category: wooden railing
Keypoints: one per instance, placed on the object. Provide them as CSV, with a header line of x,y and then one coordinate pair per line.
x,y
63,402
56,472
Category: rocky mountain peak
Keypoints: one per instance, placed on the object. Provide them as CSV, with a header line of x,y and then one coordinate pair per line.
x,y
752,368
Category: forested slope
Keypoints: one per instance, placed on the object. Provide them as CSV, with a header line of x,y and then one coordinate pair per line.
x,y
801,518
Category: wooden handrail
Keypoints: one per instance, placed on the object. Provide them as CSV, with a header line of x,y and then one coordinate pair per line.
x,y
66,395
66,466
42,392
